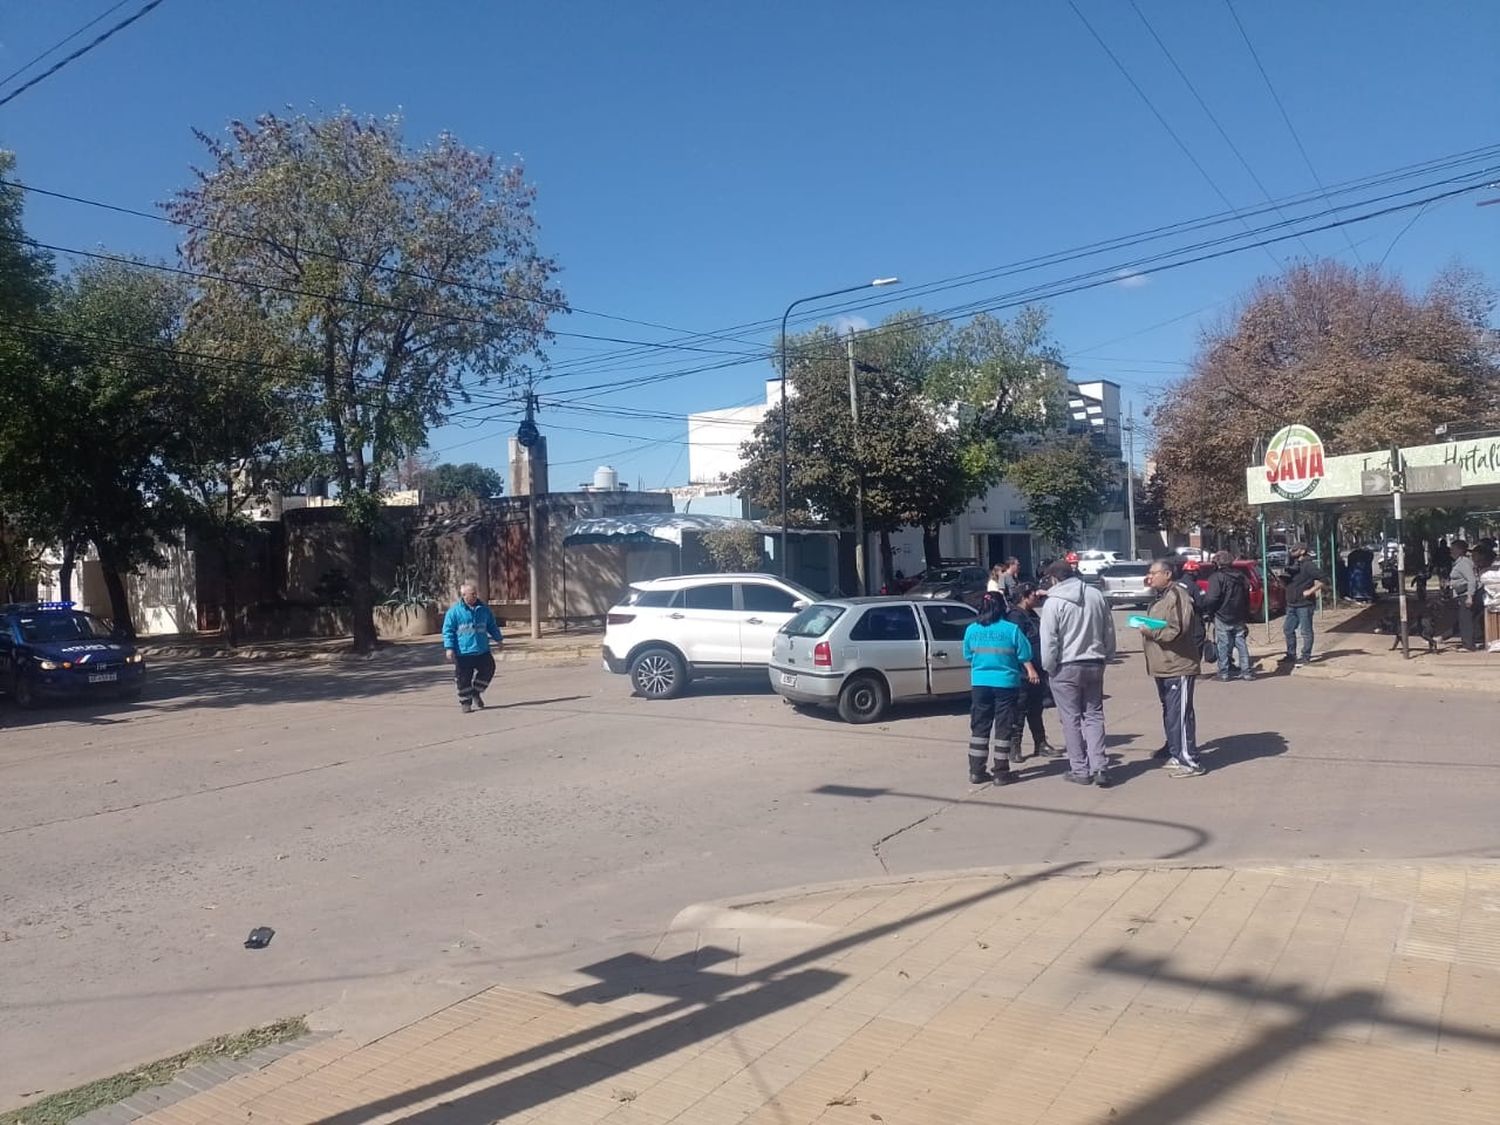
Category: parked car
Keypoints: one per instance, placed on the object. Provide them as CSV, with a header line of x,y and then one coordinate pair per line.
x,y
861,655
904,583
670,631
1200,573
1089,563
1124,584
52,651
952,583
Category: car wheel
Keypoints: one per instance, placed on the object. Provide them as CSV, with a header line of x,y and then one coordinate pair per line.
x,y
658,673
23,693
865,699
132,695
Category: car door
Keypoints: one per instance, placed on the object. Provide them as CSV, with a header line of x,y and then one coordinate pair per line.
x,y
7,654
947,672
764,609
709,626
889,640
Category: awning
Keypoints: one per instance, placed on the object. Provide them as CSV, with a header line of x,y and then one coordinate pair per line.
x,y
665,526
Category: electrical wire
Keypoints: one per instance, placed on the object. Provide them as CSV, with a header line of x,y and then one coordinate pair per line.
x,y
1136,86
63,42
1285,116
1203,105
78,54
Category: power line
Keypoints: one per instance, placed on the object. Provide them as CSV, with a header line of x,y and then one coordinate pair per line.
x,y
339,298
63,42
1286,117
1203,105
1134,85
397,271
78,54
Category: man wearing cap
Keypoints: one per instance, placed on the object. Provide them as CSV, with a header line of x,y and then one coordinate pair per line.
x,y
1078,641
1304,582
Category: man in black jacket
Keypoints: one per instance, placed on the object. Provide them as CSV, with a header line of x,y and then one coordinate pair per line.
x,y
1227,601
1033,697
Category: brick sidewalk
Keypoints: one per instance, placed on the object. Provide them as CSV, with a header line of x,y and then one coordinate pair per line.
x,y
1347,648
1128,996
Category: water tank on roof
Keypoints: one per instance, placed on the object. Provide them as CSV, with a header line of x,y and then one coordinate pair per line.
x,y
606,479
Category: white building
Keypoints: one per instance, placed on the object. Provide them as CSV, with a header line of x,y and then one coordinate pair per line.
x,y
994,527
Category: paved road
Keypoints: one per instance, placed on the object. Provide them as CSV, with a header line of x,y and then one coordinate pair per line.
x,y
407,854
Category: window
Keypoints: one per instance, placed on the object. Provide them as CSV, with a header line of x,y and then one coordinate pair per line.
x,y
886,623
653,599
948,622
54,627
709,597
814,621
767,599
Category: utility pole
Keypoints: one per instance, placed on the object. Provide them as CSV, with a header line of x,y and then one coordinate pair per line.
x,y
1130,476
859,475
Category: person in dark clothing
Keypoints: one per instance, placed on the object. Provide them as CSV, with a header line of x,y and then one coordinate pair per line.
x,y
1033,697
1227,604
1304,582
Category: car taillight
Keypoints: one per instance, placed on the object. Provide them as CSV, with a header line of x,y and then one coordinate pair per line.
x,y
822,655
619,618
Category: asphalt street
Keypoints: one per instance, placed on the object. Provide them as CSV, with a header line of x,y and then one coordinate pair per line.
x,y
407,854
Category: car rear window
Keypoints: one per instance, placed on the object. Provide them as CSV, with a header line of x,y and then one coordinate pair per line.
x,y
1126,570
886,623
814,621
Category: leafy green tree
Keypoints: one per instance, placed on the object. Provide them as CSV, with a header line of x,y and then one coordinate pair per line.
x,y
1066,482
90,425
735,550
468,481
394,274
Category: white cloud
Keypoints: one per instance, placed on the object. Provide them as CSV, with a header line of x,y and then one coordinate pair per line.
x,y
1130,279
845,321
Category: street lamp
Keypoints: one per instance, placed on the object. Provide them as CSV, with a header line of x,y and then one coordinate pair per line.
x,y
785,374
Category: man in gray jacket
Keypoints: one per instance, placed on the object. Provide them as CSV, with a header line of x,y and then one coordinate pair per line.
x,y
1078,639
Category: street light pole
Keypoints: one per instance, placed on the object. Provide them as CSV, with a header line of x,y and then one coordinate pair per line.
x,y
859,477
786,374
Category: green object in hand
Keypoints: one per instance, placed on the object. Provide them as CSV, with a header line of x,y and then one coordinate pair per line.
x,y
1136,621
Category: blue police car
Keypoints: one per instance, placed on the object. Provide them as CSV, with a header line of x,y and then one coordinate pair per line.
x,y
50,650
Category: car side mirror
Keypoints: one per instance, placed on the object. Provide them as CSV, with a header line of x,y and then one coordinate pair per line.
x,y
800,604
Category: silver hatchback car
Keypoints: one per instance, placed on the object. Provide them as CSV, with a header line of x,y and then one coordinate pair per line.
x,y
861,655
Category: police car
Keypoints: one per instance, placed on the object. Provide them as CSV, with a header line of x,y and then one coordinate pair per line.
x,y
50,650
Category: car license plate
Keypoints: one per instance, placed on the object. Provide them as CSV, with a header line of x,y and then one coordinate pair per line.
x,y
788,679
104,677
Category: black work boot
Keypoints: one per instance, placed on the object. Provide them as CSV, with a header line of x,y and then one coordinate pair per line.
x,y
1004,774
1016,755
1045,749
978,775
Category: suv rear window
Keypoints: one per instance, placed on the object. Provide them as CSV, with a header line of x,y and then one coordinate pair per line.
x,y
652,599
814,621
886,623
1126,570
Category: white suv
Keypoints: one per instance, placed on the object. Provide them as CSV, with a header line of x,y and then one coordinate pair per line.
x,y
669,631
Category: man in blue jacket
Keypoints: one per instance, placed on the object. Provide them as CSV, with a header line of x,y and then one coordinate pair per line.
x,y
467,630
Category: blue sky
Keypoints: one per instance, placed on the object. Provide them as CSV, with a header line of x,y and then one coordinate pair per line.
x,y
700,165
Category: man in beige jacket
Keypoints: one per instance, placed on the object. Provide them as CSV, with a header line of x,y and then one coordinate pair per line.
x,y
1174,659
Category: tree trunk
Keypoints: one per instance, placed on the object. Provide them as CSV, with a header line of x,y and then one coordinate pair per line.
x,y
887,563
228,626
361,591
65,571
932,550
119,600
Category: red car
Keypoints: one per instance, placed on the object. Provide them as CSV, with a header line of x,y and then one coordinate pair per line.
x,y
1251,569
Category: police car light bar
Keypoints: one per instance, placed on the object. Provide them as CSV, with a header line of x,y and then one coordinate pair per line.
x,y
54,605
